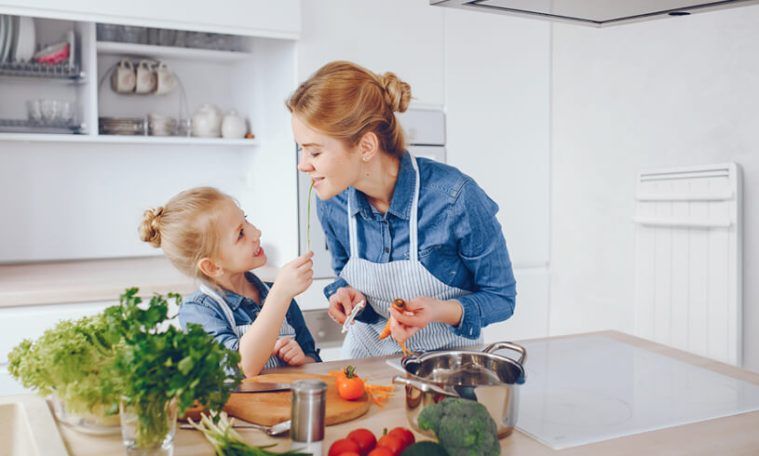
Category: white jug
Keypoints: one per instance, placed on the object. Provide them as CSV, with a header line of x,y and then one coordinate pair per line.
x,y
206,122
233,126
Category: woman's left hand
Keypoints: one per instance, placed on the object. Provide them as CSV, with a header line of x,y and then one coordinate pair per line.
x,y
419,313
289,350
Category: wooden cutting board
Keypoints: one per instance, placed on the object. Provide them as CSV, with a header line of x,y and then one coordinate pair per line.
x,y
272,408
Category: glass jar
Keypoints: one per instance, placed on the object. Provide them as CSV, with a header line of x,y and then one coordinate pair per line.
x,y
148,429
96,422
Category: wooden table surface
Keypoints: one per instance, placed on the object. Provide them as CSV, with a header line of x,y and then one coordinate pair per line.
x,y
734,435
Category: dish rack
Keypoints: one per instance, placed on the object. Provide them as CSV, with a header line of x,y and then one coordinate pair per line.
x,y
65,71
31,126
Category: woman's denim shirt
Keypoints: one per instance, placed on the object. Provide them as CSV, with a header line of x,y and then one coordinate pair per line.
x,y
460,240
201,309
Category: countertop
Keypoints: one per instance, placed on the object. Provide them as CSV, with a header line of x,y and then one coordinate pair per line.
x,y
92,280
731,435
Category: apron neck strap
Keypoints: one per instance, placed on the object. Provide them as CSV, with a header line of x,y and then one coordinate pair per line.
x,y
413,228
222,304
413,222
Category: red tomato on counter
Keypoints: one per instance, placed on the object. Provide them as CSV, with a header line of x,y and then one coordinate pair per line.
x,y
365,440
343,446
392,443
406,436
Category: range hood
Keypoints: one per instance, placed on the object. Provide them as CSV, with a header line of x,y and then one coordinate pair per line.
x,y
597,13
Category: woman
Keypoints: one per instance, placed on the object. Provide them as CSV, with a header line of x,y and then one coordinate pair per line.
x,y
397,226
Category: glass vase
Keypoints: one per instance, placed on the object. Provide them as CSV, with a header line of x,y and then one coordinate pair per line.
x,y
96,421
148,429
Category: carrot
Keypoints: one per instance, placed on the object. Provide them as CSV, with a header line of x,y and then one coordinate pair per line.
x,y
400,306
385,331
379,394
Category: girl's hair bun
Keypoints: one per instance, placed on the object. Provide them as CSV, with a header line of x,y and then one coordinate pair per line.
x,y
150,231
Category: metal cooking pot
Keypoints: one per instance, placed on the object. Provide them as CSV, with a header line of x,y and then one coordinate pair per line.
x,y
488,378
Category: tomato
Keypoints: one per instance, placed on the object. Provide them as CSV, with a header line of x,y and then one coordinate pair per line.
x,y
392,443
349,453
406,436
380,451
343,446
350,386
364,438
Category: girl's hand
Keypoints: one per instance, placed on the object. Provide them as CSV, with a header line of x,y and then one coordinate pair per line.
x,y
420,312
289,351
295,277
342,302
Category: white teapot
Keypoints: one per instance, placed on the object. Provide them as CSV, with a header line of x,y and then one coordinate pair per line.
x,y
206,122
233,126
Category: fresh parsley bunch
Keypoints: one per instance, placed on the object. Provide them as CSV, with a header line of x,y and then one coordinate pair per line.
x,y
160,363
74,360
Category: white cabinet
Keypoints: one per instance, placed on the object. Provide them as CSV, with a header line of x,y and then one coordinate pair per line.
x,y
402,36
247,17
497,85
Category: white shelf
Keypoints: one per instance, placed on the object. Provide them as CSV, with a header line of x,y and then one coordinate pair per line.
x,y
113,139
113,48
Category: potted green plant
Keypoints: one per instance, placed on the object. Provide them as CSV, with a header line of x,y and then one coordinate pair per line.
x,y
164,371
72,362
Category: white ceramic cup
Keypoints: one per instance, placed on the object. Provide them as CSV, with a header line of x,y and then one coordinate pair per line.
x,y
146,77
165,79
123,77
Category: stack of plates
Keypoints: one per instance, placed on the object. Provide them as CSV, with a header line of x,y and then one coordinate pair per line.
x,y
122,126
17,38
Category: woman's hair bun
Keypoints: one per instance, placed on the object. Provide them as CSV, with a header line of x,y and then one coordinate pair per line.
x,y
150,231
397,92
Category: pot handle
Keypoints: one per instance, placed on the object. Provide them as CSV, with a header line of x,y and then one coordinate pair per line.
x,y
422,385
511,346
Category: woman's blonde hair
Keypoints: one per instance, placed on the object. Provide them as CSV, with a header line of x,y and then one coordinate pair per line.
x,y
346,101
185,228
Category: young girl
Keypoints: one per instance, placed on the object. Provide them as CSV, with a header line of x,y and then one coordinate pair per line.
x,y
206,235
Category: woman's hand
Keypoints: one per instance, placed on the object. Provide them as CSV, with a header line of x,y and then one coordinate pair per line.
x,y
289,351
420,312
295,277
342,302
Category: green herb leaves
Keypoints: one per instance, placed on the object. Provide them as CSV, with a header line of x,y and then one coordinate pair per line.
x,y
159,362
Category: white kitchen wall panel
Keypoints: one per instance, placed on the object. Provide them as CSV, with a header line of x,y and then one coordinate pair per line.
x,y
497,86
402,36
280,19
688,259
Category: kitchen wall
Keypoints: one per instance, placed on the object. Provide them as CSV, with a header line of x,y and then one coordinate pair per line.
x,y
670,92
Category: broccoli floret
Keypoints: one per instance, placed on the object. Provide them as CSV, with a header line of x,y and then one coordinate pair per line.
x,y
463,427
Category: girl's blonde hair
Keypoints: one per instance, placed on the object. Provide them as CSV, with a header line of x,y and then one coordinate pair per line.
x,y
185,228
346,101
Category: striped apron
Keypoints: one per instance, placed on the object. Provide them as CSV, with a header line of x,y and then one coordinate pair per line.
x,y
284,330
381,283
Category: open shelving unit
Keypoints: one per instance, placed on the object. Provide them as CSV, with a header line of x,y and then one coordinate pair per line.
x,y
92,187
207,76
